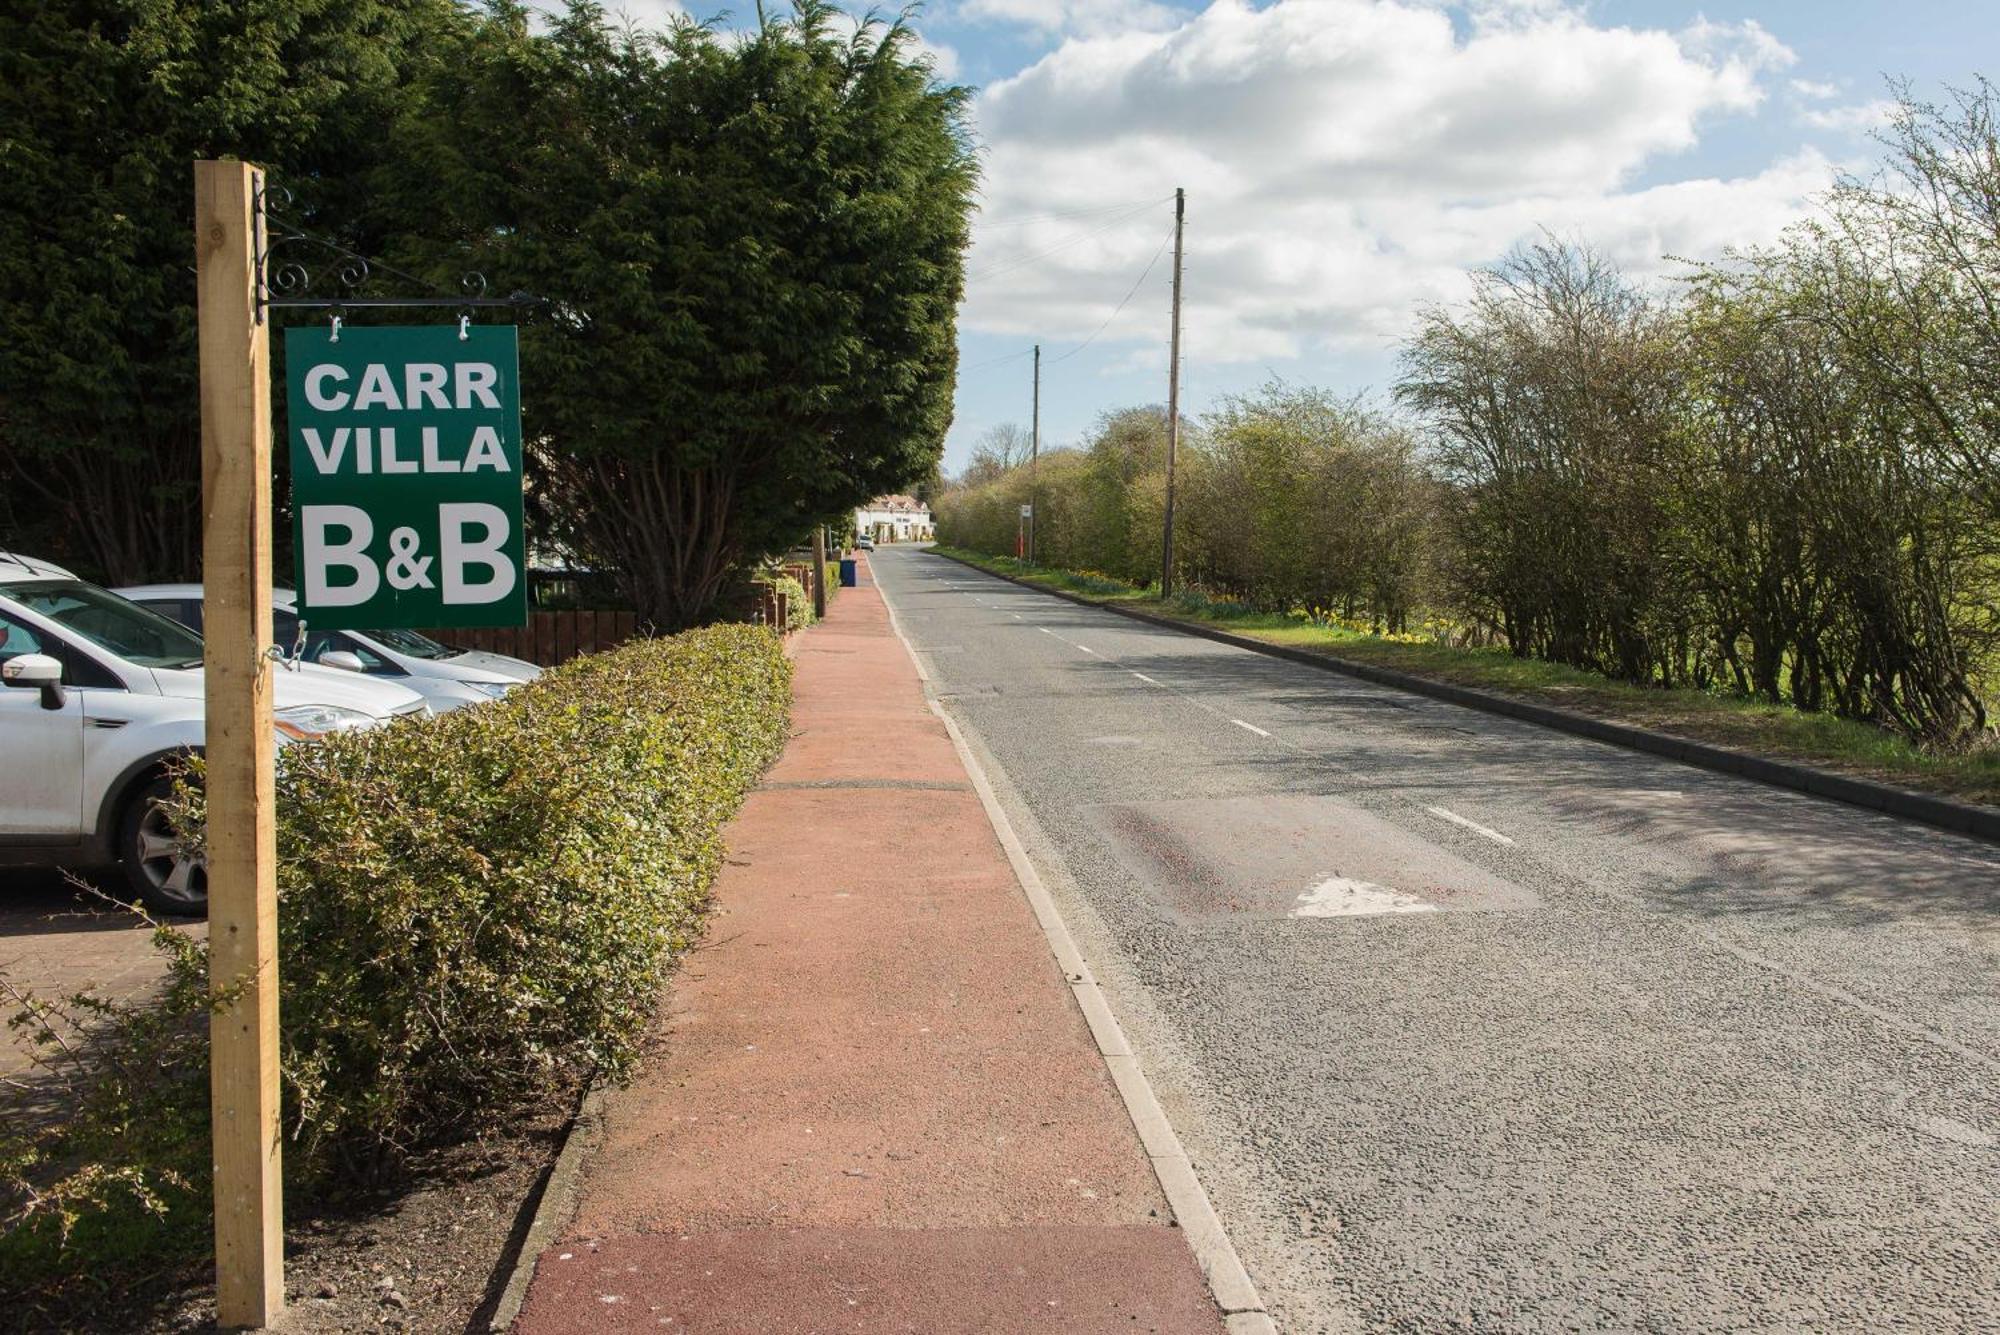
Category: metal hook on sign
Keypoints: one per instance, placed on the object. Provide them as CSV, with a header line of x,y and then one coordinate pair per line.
x,y
335,336
464,328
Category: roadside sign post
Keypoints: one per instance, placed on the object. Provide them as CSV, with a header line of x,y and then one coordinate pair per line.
x,y
819,571
1021,532
406,471
239,745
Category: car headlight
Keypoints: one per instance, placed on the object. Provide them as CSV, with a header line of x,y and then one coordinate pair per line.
x,y
304,722
491,689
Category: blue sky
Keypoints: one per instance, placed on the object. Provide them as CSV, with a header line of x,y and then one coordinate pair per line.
x,y
1348,160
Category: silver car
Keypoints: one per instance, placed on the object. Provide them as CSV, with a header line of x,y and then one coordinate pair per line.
x,y
447,678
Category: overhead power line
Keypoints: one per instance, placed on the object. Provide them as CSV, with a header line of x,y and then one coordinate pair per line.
x,y
1076,213
1122,302
995,361
1008,266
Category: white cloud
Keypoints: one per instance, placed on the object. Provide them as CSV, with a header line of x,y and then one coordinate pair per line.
x,y
944,58
1857,119
1072,16
652,15
1347,160
1817,90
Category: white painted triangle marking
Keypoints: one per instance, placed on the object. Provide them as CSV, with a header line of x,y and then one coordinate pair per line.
x,y
1340,897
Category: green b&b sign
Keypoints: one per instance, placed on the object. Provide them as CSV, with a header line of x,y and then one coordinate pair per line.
x,y
406,476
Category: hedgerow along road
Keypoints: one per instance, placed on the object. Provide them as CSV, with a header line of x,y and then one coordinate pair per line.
x,y
1473,1025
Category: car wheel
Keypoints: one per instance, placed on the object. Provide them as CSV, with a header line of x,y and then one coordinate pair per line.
x,y
161,869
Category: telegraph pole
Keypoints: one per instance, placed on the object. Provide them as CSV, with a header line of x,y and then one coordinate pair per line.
x,y
1173,399
1035,459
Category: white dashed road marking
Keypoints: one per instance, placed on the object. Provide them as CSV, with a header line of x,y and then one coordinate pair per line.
x,y
1251,727
1148,680
1471,825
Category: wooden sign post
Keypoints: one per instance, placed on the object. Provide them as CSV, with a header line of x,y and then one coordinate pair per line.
x,y
242,846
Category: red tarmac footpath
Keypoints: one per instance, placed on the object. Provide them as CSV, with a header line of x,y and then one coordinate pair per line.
x,y
877,1107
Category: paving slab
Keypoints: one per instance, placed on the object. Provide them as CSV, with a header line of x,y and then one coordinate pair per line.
x,y
1083,1280
876,1104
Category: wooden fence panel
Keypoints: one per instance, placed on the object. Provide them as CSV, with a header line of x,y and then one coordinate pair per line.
x,y
549,638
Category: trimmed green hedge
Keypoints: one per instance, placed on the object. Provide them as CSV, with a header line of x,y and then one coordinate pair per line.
x,y
477,901
473,910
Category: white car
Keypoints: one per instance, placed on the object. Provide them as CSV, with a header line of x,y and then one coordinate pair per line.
x,y
97,699
447,678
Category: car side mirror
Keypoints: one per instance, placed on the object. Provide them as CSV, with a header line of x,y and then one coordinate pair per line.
x,y
343,659
35,670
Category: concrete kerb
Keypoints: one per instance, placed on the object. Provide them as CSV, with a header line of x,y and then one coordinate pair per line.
x,y
557,1205
1925,808
1228,1282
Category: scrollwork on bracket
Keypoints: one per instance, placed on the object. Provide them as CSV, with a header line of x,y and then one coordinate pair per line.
x,y
289,282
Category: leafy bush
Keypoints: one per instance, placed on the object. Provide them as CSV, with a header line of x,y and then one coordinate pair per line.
x,y
798,602
132,1083
473,910
1198,602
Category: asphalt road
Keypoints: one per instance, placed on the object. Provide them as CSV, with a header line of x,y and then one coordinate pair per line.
x,y
1475,1026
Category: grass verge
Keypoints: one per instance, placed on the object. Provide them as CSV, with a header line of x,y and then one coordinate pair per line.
x,y
1780,732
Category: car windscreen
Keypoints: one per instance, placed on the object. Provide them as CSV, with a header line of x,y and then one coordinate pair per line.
x,y
412,643
109,622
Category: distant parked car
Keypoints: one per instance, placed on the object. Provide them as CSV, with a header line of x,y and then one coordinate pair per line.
x,y
97,698
447,678
863,543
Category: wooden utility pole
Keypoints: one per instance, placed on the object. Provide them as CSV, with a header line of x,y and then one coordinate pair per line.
x,y
1173,400
1035,459
242,844
819,571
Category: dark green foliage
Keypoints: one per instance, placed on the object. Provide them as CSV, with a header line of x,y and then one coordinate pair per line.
x,y
474,910
104,107
753,255
751,250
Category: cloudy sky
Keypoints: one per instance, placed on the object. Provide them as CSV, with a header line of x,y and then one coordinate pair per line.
x,y
1346,161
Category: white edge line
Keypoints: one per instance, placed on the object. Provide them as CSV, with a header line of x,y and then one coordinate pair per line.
x,y
1228,1282
1471,825
1250,726
897,626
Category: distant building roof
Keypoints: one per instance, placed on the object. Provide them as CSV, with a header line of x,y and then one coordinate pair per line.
x,y
898,505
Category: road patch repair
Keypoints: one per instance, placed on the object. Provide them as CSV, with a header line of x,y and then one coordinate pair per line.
x,y
1297,856
876,1105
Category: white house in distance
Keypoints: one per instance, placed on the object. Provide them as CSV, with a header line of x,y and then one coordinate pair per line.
x,y
895,519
